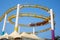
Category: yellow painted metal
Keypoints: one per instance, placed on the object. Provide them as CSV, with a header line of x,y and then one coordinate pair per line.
x,y
16,29
28,15
23,6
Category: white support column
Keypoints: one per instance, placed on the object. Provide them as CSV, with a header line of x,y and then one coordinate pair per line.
x,y
33,30
17,16
19,29
52,21
52,25
4,22
4,25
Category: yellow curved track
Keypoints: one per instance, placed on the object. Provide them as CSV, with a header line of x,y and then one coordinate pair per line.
x,y
46,19
24,6
41,31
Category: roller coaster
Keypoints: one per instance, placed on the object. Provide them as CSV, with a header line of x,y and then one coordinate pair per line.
x,y
45,21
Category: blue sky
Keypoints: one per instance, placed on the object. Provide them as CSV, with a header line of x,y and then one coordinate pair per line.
x,y
54,4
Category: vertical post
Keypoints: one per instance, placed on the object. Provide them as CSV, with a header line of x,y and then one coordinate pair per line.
x,y
19,30
4,24
33,30
52,24
17,16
